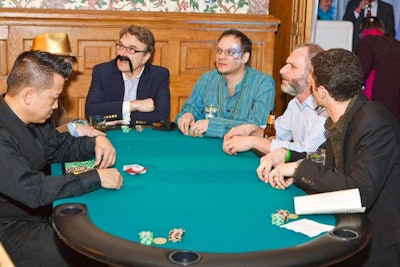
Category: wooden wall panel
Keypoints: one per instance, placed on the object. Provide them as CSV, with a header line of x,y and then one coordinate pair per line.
x,y
185,44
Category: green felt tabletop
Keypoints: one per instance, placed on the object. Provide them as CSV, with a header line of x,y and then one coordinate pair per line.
x,y
191,183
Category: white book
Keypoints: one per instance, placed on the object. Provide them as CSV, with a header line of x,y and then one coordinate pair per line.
x,y
343,201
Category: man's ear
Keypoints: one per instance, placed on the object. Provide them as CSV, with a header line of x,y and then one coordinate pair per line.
x,y
27,95
322,92
146,57
245,57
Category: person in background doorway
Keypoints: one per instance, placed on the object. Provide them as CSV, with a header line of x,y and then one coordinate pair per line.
x,y
357,10
380,59
325,11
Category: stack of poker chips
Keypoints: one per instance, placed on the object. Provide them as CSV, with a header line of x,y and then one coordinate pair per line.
x,y
146,237
139,128
125,128
175,235
282,216
285,214
277,219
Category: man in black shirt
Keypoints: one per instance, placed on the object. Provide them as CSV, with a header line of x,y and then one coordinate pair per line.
x,y
28,142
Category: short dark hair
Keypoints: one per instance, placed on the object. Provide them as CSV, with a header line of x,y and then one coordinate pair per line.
x,y
143,34
339,71
245,42
37,68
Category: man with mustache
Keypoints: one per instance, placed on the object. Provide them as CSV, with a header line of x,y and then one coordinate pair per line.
x,y
301,127
128,89
238,94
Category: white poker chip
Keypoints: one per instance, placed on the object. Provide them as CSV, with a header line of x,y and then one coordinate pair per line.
x,y
134,169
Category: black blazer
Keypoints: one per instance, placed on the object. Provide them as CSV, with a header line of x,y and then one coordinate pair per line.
x,y
369,160
106,93
385,13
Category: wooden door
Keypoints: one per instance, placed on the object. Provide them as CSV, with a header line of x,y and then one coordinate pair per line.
x,y
295,28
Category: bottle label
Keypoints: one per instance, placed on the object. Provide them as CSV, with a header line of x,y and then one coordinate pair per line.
x,y
271,119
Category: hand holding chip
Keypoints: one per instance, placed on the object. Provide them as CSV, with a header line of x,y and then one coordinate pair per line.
x,y
105,153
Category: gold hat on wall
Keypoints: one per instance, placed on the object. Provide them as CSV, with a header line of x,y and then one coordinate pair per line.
x,y
55,43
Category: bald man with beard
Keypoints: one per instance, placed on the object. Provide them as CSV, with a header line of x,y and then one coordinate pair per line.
x,y
301,127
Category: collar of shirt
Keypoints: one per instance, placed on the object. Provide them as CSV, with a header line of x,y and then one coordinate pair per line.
x,y
374,9
309,102
125,77
242,85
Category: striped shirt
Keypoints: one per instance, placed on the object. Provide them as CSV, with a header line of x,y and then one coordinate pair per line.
x,y
301,126
253,99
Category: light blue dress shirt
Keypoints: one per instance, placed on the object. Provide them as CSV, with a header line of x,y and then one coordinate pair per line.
x,y
301,126
253,99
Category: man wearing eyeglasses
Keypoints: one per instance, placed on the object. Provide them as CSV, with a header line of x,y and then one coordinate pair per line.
x,y
128,89
234,92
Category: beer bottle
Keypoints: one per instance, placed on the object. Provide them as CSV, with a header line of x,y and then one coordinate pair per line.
x,y
270,127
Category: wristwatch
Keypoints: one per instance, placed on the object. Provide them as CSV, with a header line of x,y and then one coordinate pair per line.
x,y
79,121
73,124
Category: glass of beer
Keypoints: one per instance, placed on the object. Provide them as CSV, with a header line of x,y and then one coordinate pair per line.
x,y
98,122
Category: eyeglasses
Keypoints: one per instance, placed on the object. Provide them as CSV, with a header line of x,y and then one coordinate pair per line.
x,y
228,52
129,50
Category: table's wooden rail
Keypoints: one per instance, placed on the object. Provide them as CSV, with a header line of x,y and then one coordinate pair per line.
x,y
73,225
184,43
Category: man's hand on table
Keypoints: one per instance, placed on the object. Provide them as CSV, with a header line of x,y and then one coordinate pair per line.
x,y
185,122
110,178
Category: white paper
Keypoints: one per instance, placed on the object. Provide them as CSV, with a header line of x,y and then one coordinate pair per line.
x,y
308,227
344,201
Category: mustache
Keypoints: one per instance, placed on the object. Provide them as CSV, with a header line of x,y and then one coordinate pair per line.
x,y
125,58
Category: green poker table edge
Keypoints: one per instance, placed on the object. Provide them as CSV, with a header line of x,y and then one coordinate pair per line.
x,y
72,223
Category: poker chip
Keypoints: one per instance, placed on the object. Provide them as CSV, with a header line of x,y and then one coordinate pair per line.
x,y
293,216
277,219
146,237
139,128
285,214
125,128
159,240
176,234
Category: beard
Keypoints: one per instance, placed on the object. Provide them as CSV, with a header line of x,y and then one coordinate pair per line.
x,y
295,86
124,58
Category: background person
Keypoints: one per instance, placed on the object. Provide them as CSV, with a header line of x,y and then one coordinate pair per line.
x,y
128,89
325,11
380,59
357,10
301,127
363,151
28,142
239,93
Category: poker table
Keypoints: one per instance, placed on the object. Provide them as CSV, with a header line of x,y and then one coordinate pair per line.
x,y
224,209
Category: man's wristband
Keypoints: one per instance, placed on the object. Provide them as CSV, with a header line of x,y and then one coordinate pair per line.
x,y
73,124
288,155
79,121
